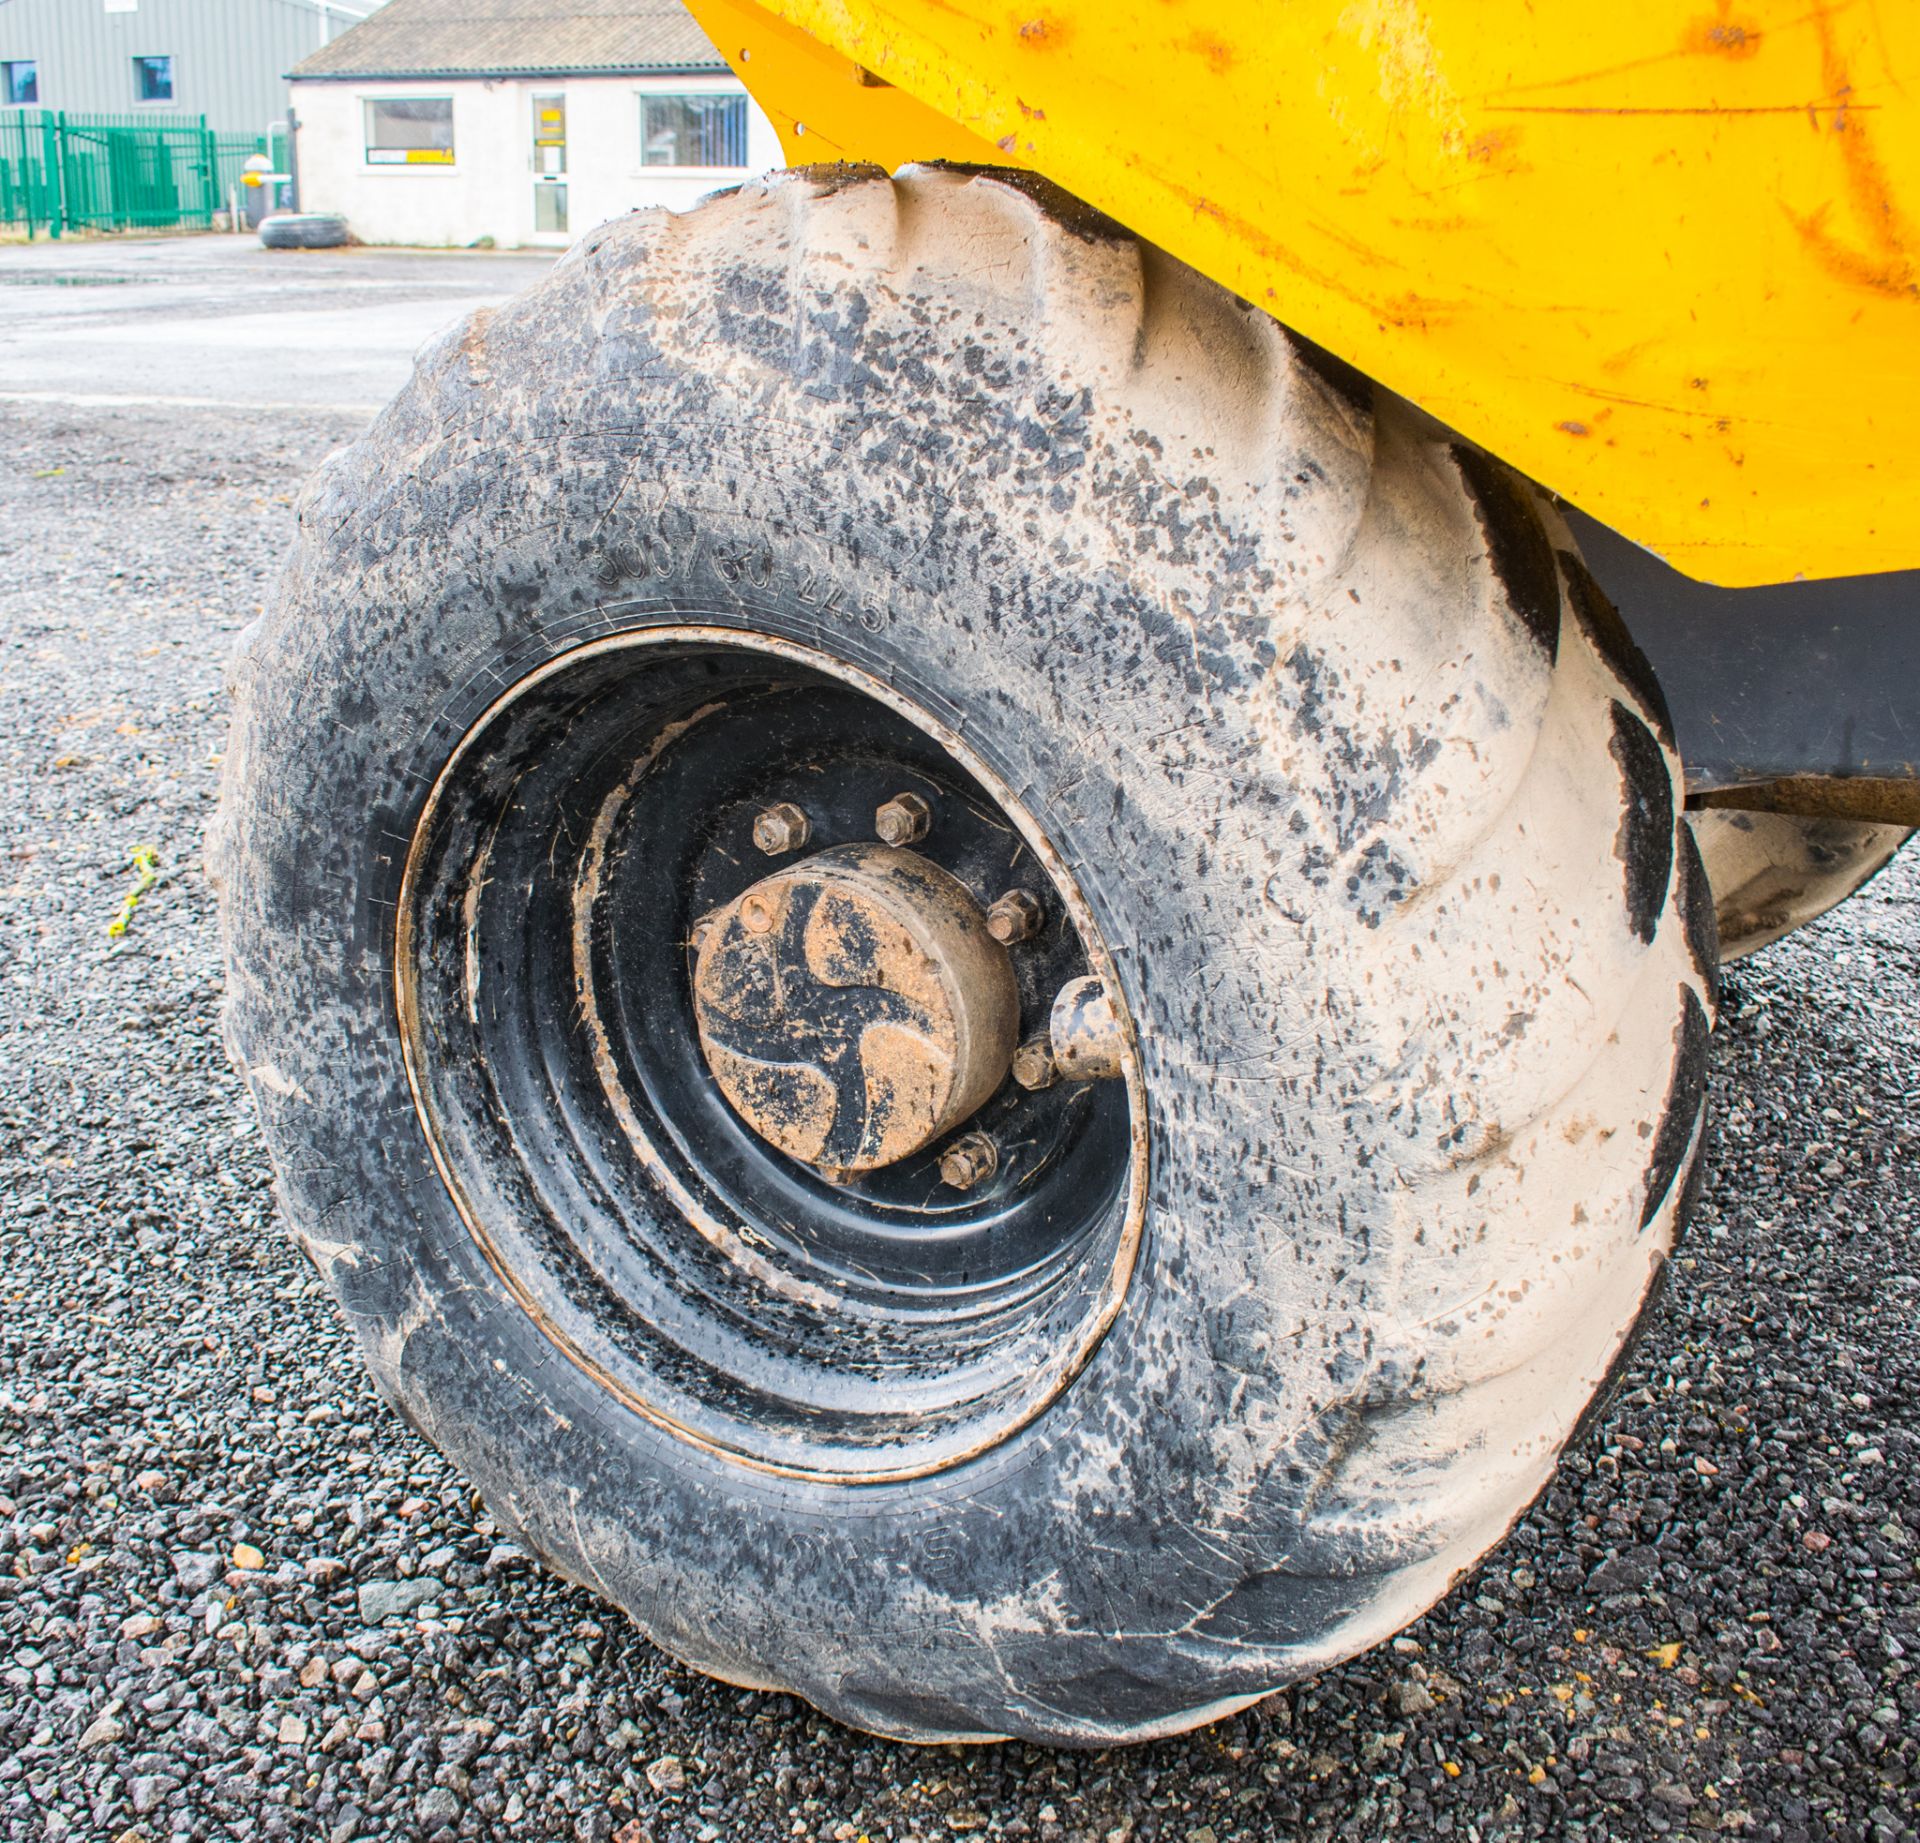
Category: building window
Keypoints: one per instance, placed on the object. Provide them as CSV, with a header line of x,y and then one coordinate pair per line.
x,y
153,79
410,131
20,81
549,136
693,131
550,209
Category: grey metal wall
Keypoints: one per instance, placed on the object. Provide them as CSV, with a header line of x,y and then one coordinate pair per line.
x,y
229,56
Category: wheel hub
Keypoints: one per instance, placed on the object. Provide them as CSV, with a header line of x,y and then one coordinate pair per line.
x,y
854,1007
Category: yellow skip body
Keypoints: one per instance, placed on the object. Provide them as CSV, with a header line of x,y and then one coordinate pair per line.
x,y
1663,258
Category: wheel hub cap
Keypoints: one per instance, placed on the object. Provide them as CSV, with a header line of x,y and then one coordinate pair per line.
x,y
853,1008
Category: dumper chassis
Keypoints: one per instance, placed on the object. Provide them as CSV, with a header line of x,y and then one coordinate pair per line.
x,y
989,983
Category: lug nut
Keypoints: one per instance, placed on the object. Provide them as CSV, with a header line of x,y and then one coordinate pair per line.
x,y
904,820
756,913
783,827
969,1161
1016,916
1033,1065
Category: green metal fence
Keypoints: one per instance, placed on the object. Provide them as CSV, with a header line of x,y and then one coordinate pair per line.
x,y
29,170
61,172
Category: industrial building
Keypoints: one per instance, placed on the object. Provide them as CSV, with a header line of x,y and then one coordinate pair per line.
x,y
223,59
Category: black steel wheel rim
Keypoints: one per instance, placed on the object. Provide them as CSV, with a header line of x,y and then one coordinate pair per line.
x,y
879,1327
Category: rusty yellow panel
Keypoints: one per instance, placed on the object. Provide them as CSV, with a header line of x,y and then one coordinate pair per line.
x,y
828,107
1663,257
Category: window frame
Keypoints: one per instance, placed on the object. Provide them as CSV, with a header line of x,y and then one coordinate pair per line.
x,y
412,159
141,61
734,98
540,141
10,100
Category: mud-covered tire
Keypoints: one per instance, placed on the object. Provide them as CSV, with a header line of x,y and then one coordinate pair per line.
x,y
303,230
1368,796
1774,872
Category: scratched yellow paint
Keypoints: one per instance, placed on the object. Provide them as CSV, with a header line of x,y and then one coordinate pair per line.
x,y
822,104
1663,257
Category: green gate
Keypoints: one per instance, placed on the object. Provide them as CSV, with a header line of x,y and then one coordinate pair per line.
x,y
30,171
61,172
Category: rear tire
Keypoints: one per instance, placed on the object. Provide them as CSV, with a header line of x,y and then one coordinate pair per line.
x,y
1774,872
1366,820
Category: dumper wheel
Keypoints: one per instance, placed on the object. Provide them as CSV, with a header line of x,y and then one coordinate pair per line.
x,y
1774,872
988,994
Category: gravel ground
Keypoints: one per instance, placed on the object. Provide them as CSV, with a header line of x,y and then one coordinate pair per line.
x,y
240,1599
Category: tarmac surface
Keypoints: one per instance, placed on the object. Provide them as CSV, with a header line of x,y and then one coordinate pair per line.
x,y
239,1598
171,321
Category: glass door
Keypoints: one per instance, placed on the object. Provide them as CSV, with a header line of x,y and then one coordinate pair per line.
x,y
549,168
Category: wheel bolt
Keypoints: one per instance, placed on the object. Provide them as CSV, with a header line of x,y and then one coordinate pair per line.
x,y
969,1161
904,820
1016,916
1033,1065
783,827
697,935
1089,1041
756,913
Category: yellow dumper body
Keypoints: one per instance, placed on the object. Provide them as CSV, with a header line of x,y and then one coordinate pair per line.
x,y
1663,258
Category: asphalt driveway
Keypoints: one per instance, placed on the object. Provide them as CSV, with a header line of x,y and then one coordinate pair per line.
x,y
179,321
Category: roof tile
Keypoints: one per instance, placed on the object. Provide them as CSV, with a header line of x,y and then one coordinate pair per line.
x,y
470,38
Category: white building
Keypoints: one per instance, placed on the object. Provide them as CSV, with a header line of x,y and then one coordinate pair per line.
x,y
447,122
